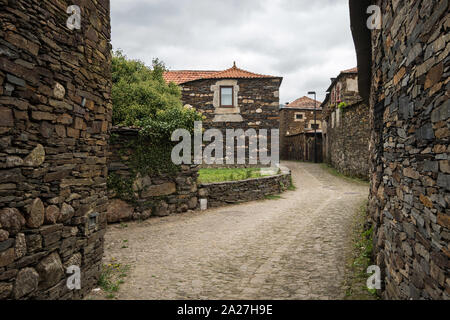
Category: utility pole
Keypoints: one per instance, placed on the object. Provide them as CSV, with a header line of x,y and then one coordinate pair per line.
x,y
315,125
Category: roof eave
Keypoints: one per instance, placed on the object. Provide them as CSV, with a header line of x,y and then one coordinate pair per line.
x,y
362,40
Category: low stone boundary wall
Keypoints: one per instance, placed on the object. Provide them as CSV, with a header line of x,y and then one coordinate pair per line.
x,y
232,192
145,195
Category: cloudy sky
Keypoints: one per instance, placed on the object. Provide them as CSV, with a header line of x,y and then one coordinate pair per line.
x,y
305,41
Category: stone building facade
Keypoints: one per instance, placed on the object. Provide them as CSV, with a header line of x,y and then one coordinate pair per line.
x,y
297,130
232,99
404,75
55,111
346,128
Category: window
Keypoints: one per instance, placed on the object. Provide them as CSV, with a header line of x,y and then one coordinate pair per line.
x,y
226,97
315,126
298,117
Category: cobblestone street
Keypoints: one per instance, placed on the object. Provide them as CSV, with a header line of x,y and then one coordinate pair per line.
x,y
294,247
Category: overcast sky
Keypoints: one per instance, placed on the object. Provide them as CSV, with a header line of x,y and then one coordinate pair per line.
x,y
305,41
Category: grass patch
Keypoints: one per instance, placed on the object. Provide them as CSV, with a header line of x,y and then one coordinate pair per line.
x,y
213,175
273,197
112,276
360,260
338,174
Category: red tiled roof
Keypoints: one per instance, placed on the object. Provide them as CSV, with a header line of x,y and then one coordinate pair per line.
x,y
304,103
352,70
183,76
234,72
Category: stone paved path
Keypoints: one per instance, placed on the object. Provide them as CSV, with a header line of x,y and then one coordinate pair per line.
x,y
291,248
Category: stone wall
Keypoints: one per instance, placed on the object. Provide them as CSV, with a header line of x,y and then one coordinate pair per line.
x,y
346,145
233,192
257,104
410,172
153,194
55,110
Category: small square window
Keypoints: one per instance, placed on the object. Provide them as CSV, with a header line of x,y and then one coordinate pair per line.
x,y
298,117
226,97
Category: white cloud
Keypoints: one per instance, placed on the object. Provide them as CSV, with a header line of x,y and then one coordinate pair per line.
x,y
306,42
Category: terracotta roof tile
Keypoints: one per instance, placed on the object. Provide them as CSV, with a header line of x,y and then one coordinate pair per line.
x,y
183,76
304,103
234,72
352,70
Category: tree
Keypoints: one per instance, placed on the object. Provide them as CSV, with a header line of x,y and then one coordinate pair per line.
x,y
140,95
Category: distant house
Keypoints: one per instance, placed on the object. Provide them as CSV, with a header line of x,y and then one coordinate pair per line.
x,y
232,98
346,129
297,130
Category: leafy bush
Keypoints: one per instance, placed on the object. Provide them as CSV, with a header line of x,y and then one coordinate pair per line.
x,y
342,105
140,94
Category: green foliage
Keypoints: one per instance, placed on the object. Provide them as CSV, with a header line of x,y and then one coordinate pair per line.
x,y
142,98
140,93
227,174
361,259
342,105
112,277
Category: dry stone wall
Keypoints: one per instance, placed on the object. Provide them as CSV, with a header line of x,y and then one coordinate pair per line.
x,y
145,194
347,141
233,192
55,111
410,172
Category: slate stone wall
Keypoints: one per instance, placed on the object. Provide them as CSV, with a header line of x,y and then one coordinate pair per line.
x,y
234,192
410,172
347,143
154,194
55,110
258,100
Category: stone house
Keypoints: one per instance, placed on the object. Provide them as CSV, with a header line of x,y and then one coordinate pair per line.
x,y
404,71
231,99
297,130
346,128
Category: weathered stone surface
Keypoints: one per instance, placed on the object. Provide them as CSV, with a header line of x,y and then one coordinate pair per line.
x,y
6,117
59,91
26,282
159,190
119,210
67,212
5,290
36,214
11,220
3,235
162,209
74,260
50,270
52,214
36,157
7,257
21,245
